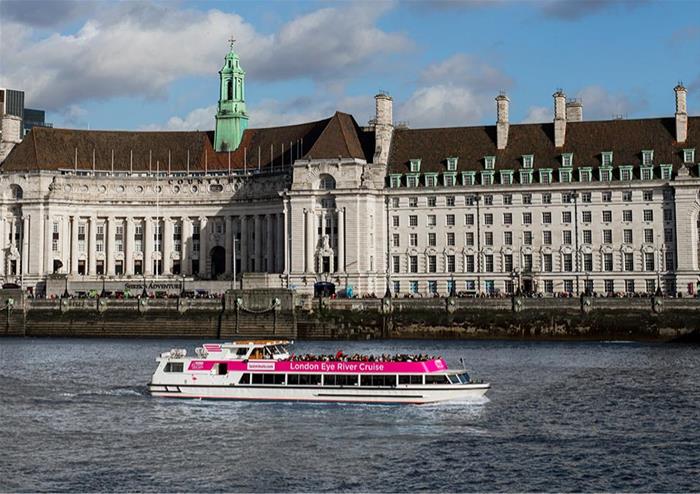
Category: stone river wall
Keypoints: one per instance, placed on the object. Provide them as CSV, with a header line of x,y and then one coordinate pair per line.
x,y
266,313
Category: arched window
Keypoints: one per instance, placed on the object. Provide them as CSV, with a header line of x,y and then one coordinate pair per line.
x,y
16,191
327,182
229,90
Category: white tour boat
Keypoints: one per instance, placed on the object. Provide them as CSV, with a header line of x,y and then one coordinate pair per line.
x,y
265,370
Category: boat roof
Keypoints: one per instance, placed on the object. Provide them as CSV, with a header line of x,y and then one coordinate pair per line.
x,y
255,343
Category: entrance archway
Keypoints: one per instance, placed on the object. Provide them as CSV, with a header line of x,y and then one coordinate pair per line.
x,y
218,261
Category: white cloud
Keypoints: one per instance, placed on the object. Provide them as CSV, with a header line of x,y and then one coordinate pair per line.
x,y
538,114
138,49
457,91
599,104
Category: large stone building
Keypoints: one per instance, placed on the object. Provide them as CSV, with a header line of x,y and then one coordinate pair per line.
x,y
610,206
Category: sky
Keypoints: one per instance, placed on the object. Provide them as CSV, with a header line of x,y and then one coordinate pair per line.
x,y
153,65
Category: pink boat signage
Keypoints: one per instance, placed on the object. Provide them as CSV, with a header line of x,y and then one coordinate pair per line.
x,y
324,366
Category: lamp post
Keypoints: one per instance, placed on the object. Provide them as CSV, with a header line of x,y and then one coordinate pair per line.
x,y
144,293
182,290
453,291
65,292
574,195
104,292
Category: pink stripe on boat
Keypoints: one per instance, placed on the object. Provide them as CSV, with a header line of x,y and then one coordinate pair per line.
x,y
329,367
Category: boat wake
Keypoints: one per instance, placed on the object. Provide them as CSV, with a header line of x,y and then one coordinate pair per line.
x,y
116,391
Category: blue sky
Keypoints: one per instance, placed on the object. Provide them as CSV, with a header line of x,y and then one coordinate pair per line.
x,y
153,65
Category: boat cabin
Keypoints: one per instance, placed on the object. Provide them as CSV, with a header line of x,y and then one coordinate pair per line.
x,y
246,350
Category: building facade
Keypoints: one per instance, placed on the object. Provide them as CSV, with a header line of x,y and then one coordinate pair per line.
x,y
560,207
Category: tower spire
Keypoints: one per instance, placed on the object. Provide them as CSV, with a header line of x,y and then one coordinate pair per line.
x,y
231,116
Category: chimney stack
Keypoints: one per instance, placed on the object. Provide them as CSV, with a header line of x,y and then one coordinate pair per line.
x,y
383,127
574,110
502,125
559,118
11,134
681,113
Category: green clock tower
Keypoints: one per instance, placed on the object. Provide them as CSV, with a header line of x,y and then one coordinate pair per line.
x,y
231,117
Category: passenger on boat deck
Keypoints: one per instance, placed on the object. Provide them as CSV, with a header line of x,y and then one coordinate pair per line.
x,y
357,357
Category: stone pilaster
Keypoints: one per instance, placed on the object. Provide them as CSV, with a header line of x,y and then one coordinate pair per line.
x,y
166,255
92,247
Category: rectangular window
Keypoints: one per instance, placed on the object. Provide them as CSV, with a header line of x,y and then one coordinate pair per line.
x,y
627,236
488,200
469,263
649,235
607,158
628,261
508,238
413,264
666,172
586,216
507,199
431,239
566,217
488,238
450,220
488,258
396,261
547,266
413,239
648,215
566,237
627,196
412,202
450,264
607,261
650,286
587,262
450,201
629,286
527,237
432,264
527,198
569,286
395,202
648,195
547,237
568,263
396,239
647,157
468,219
607,236
625,174
432,220
507,218
413,286
469,238
587,236
669,261
649,264
606,196
627,215
689,155
488,219
395,221
413,220
585,175
508,263
609,286
668,235
549,286
450,239
607,216
586,197
546,217
647,173
449,180
546,198
668,215
527,218
528,160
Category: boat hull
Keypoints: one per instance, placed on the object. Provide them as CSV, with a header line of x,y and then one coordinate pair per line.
x,y
342,394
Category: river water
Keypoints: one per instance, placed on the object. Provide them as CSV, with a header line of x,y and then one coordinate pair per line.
x,y
75,416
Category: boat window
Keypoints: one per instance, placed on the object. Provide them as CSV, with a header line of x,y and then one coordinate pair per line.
x,y
454,379
174,367
378,380
223,369
268,378
304,379
436,379
245,379
340,380
464,377
410,379
241,352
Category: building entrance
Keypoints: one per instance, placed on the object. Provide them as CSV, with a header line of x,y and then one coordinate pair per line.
x,y
218,261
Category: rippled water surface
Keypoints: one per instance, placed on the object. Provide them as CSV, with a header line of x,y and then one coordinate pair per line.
x,y
75,416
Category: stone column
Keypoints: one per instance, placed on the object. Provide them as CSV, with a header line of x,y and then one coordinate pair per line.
x,y
203,248
92,249
258,244
110,232
75,222
310,240
25,245
269,239
129,245
147,246
244,244
47,261
228,243
167,247
3,243
279,243
341,240
186,254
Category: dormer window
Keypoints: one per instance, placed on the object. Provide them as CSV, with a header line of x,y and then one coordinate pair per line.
x,y
545,175
607,158
451,164
468,178
626,173
647,157
666,172
430,179
528,160
567,160
689,156
395,180
415,166
489,162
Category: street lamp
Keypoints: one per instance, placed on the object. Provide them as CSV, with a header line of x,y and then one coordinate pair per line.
x,y
65,292
182,290
144,293
104,292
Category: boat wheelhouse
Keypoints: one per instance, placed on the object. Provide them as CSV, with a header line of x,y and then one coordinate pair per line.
x,y
265,370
